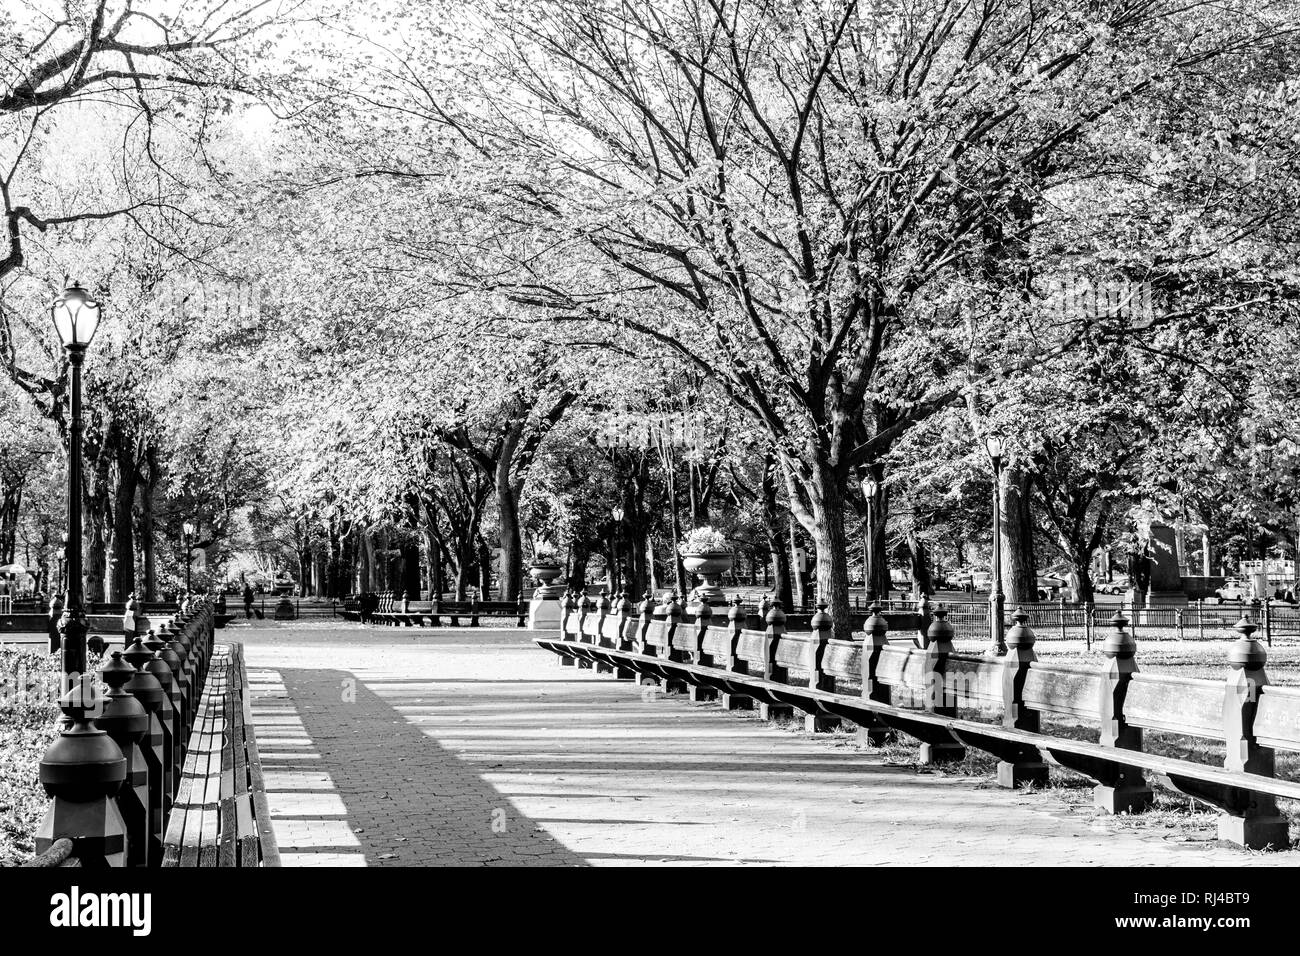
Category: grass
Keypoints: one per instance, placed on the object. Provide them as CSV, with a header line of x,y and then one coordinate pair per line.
x,y
27,727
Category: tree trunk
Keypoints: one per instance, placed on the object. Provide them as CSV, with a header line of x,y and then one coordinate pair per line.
x,y
679,569
484,571
148,546
776,534
921,583
122,578
367,561
827,502
411,582
1082,562
1019,567
796,572
512,546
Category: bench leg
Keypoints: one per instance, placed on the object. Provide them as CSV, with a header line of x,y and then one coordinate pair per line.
x,y
768,711
875,734
698,694
820,723
736,702
1122,798
940,752
1261,828
1013,774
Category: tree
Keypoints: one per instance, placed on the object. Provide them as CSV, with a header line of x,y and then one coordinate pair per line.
x,y
787,198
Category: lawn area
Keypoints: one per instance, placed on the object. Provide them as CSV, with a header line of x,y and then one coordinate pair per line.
x,y
27,726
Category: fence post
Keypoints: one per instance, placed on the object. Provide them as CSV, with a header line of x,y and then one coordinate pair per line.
x,y
144,659
699,693
81,771
1061,606
822,625
1087,625
602,612
144,687
1268,622
734,663
1126,790
1025,766
647,616
125,720
1256,824
875,629
673,619
567,608
773,671
1200,618
939,698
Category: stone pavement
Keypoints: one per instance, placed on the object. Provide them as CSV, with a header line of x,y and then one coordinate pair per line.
x,y
386,746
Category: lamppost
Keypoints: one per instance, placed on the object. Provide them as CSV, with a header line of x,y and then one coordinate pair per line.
x,y
187,532
875,580
996,448
617,513
870,488
76,317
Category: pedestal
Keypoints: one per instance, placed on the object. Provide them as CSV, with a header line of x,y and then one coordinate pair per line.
x,y
544,612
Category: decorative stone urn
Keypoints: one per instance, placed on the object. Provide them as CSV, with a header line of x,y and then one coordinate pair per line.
x,y
709,568
546,573
544,612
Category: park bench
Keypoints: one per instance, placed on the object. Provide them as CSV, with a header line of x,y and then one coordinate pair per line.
x,y
159,704
219,817
951,702
431,613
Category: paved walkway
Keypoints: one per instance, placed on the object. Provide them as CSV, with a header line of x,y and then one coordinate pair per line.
x,y
387,746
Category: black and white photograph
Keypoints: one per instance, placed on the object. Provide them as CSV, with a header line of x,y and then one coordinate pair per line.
x,y
657,434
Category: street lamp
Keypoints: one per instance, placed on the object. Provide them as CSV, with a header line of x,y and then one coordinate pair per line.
x,y
187,530
871,575
996,447
617,514
870,488
76,317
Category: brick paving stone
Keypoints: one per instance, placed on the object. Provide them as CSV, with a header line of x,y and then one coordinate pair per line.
x,y
464,746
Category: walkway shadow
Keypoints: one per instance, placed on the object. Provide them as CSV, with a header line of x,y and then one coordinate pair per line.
x,y
410,801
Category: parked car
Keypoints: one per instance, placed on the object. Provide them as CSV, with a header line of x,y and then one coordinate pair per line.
x,y
1233,589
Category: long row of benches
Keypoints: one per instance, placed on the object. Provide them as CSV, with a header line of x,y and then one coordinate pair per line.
x,y
220,816
951,702
395,611
124,772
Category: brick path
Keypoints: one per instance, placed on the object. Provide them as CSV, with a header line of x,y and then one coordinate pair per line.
x,y
387,746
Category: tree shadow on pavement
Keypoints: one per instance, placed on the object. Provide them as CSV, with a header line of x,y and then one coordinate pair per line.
x,y
410,801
